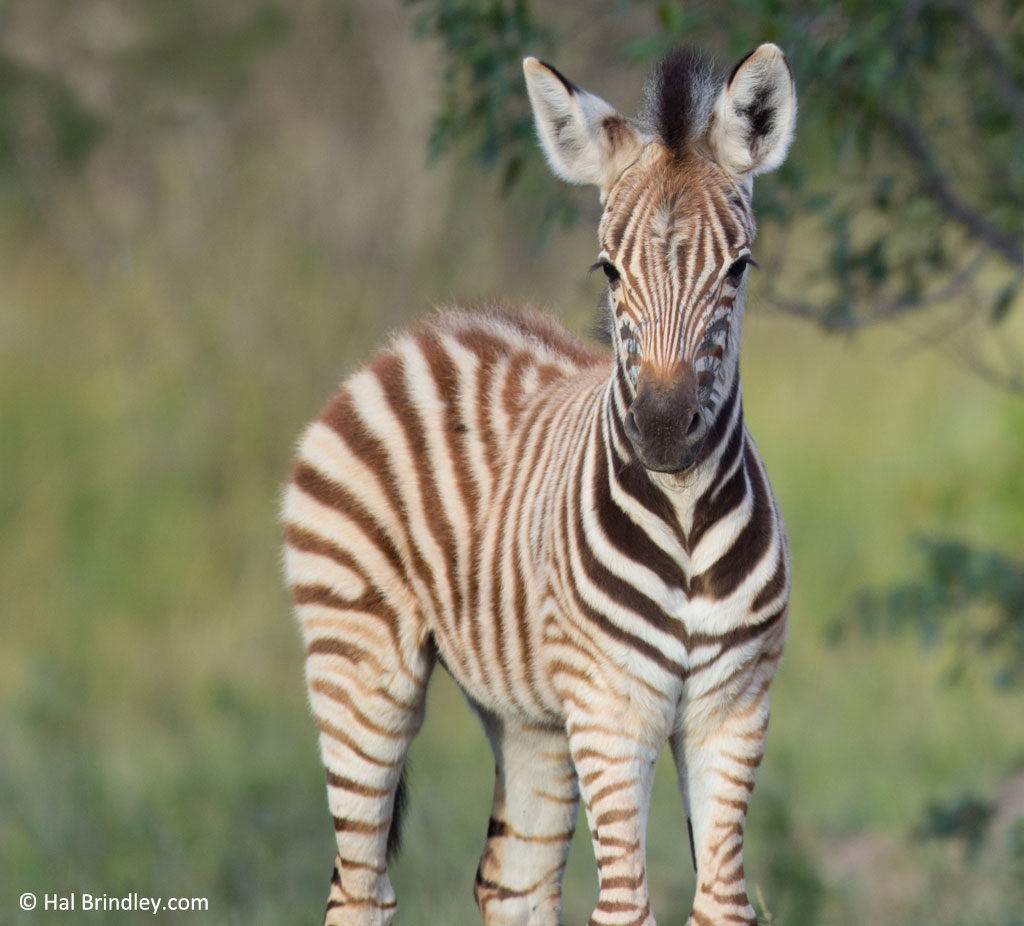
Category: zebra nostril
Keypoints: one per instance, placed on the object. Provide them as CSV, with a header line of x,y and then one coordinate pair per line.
x,y
696,430
631,427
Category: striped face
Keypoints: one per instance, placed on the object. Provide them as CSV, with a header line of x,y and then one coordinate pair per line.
x,y
676,230
675,244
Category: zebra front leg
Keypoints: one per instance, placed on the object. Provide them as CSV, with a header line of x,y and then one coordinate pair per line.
x,y
716,776
533,817
615,771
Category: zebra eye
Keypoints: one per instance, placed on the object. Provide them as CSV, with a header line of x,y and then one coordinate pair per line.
x,y
610,272
735,273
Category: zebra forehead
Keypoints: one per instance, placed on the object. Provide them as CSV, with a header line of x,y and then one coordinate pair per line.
x,y
668,201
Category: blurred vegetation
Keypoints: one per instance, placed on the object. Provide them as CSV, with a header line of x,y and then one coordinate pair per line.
x,y
971,599
916,107
208,212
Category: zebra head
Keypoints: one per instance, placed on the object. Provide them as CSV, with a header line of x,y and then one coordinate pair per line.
x,y
677,229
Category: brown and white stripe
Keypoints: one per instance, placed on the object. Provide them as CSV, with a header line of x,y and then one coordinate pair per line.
x,y
588,543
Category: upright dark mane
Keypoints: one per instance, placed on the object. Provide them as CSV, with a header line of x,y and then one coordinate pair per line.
x,y
679,96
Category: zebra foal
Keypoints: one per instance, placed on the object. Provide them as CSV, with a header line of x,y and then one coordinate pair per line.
x,y
588,543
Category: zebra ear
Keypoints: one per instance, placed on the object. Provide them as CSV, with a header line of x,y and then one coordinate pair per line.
x,y
754,118
584,138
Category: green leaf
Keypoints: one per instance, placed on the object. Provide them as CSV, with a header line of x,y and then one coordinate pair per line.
x,y
1003,302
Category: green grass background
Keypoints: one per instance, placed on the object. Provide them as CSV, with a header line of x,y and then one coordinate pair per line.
x,y
170,319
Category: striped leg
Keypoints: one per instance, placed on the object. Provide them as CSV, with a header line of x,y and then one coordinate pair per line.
x,y
716,776
616,772
368,703
533,817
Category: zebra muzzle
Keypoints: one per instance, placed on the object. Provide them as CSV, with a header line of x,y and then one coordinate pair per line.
x,y
666,424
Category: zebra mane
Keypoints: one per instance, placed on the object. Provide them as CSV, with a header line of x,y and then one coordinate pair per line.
x,y
679,96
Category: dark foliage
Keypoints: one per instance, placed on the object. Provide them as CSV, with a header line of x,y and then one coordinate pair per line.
x,y
965,819
971,597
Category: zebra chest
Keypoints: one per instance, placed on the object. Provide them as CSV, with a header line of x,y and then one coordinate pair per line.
x,y
650,645
576,601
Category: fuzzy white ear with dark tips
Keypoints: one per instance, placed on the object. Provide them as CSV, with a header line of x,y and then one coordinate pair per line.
x,y
584,139
755,116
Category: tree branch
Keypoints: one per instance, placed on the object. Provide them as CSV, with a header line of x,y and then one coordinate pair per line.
x,y
1011,382
1006,86
1006,244
901,305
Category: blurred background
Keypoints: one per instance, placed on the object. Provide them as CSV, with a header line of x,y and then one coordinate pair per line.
x,y
210,212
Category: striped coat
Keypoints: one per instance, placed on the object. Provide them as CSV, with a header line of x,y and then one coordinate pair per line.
x,y
588,543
